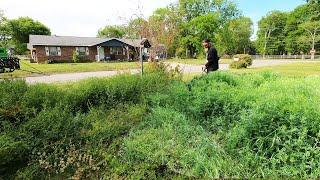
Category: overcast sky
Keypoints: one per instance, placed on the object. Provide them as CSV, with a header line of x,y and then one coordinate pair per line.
x,y
80,17
85,17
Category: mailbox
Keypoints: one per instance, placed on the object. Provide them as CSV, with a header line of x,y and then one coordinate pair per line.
x,y
145,43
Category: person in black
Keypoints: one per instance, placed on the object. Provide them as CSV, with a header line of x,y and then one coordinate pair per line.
x,y
212,56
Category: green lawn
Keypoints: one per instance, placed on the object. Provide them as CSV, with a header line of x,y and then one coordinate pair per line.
x,y
197,61
292,70
30,69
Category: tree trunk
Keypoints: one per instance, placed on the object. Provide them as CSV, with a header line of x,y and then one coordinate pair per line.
x,y
313,46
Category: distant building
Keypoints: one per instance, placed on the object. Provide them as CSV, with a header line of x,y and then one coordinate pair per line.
x,y
61,48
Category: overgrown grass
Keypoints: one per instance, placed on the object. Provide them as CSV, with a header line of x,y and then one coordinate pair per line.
x,y
221,125
34,69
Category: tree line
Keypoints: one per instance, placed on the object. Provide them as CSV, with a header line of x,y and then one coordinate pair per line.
x,y
182,26
295,32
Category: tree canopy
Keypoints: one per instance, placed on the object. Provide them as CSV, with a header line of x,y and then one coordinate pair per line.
x,y
17,31
112,32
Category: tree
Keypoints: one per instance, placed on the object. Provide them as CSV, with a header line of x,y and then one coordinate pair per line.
x,y
164,27
234,38
112,32
194,8
313,1
198,29
271,33
136,28
312,29
4,31
203,19
21,28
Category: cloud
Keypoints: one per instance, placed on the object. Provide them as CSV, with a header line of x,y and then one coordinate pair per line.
x,y
80,17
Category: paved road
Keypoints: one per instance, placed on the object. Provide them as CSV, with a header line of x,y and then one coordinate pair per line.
x,y
84,75
71,77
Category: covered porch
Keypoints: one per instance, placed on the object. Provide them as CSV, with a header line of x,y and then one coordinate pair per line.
x,y
116,49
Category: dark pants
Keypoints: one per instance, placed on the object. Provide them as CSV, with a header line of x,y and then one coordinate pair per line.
x,y
211,69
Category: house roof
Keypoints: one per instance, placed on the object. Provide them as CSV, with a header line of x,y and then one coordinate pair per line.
x,y
74,41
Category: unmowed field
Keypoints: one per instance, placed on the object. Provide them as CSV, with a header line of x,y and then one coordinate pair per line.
x,y
221,125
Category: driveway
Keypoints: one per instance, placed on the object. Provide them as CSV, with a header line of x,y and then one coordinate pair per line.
x,y
187,69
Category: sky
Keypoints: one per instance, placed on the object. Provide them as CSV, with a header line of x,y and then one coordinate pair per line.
x,y
85,17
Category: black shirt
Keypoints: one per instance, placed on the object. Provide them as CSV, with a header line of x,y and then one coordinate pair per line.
x,y
213,59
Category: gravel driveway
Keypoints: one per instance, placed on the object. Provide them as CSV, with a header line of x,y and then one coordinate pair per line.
x,y
71,77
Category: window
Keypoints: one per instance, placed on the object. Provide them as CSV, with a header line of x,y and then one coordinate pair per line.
x,y
82,51
53,51
116,50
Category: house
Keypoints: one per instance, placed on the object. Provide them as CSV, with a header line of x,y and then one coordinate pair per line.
x,y
61,48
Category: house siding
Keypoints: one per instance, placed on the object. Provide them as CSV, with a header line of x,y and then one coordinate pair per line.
x,y
66,54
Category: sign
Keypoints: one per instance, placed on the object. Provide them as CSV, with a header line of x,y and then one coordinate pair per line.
x,y
313,51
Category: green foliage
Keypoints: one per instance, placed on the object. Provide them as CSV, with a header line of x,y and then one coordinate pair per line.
x,y
4,31
270,137
112,32
169,145
271,33
75,57
235,36
219,125
244,61
66,131
11,95
193,8
20,30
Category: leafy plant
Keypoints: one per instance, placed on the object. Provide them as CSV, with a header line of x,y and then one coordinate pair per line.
x,y
244,61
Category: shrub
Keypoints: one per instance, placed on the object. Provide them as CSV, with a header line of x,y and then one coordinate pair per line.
x,y
245,61
75,57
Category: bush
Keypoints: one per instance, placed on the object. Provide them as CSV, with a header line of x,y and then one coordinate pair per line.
x,y
75,57
245,61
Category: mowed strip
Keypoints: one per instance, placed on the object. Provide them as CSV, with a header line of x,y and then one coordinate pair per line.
x,y
296,69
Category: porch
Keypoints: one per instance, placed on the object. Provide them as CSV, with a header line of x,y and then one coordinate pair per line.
x,y
116,50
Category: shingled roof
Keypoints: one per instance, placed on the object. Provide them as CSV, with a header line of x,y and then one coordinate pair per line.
x,y
43,40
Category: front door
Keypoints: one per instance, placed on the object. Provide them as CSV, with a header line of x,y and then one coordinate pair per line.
x,y
101,53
